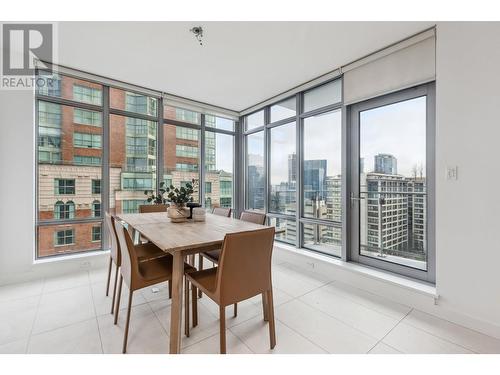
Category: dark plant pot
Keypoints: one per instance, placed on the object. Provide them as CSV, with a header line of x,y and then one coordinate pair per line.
x,y
192,205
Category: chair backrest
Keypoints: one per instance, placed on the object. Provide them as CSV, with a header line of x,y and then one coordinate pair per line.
x,y
222,211
129,266
114,245
147,208
253,217
245,265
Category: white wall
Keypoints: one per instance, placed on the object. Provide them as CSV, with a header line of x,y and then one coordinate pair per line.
x,y
467,210
468,134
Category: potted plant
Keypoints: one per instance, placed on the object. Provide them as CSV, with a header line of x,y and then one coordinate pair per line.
x,y
179,197
157,198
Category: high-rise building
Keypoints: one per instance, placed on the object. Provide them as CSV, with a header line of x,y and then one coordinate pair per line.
x,y
386,164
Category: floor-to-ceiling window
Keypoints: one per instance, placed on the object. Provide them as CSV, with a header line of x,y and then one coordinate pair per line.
x,y
69,155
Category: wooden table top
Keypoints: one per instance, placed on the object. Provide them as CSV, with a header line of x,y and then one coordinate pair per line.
x,y
190,235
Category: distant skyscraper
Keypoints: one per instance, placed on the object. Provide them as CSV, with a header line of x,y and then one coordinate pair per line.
x,y
315,178
292,168
386,164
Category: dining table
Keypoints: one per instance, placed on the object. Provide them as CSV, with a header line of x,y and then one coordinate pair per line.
x,y
181,240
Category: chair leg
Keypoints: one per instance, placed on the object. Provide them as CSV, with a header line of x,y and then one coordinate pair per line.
x,y
114,291
109,275
222,322
272,329
200,268
117,308
186,307
235,308
125,336
169,289
264,307
194,292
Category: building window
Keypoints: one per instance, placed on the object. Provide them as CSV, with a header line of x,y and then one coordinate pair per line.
x,y
255,178
86,160
140,104
186,167
64,210
208,187
225,202
87,94
96,186
186,133
186,151
96,234
64,237
87,140
226,188
64,186
96,209
131,206
134,183
85,117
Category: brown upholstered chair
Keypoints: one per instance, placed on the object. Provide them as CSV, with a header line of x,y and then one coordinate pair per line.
x,y
148,208
235,281
143,252
138,275
220,211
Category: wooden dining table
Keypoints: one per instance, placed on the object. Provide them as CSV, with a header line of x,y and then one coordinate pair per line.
x,y
181,240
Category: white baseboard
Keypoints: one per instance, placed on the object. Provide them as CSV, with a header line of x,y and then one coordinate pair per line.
x,y
419,295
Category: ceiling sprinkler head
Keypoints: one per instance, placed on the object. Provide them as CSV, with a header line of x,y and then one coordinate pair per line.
x,y
198,34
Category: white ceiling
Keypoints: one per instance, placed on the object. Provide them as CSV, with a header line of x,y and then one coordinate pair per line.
x,y
240,63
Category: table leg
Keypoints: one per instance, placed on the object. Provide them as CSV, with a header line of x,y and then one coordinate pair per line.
x,y
175,314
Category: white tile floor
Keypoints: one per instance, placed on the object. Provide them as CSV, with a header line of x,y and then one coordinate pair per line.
x,y
70,314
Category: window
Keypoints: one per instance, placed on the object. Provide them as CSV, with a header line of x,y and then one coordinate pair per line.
x,y
186,151
181,114
219,123
69,140
96,209
131,206
254,120
208,187
86,117
136,183
322,238
255,171
87,94
324,95
64,237
87,140
96,186
140,103
96,234
283,162
64,186
219,156
322,166
86,160
182,157
289,226
64,210
284,109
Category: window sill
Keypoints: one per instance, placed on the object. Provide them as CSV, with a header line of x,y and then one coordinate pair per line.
x,y
417,286
62,258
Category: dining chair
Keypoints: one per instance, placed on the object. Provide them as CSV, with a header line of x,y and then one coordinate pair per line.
x,y
214,254
144,252
219,211
138,275
234,281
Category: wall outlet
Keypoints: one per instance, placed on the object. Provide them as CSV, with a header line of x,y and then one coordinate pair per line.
x,y
452,173
310,264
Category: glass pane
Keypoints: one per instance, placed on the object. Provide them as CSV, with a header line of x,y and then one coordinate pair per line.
x,y
322,166
67,239
289,226
284,109
219,155
393,210
329,93
283,173
133,102
255,171
182,157
69,159
61,86
219,123
132,162
254,120
322,238
180,114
